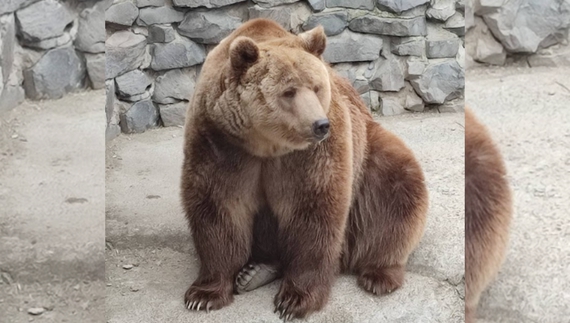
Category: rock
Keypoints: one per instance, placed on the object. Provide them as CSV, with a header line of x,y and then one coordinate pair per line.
x,y
441,80
110,99
9,6
455,24
159,15
150,3
352,47
204,3
485,7
406,98
441,9
555,56
460,5
488,49
415,67
147,59
208,27
357,74
91,30
161,34
7,47
273,3
112,131
525,26
175,85
179,53
96,69
371,100
36,310
390,106
317,5
408,46
58,72
469,18
173,114
125,51
460,58
132,83
353,4
50,42
290,16
398,6
127,267
12,93
141,116
139,97
122,13
333,22
389,26
441,43
388,75
43,20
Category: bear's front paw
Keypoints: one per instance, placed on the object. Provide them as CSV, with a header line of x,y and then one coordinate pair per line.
x,y
207,297
382,280
292,302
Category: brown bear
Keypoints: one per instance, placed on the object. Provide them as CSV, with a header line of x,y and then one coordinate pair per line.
x,y
286,173
487,211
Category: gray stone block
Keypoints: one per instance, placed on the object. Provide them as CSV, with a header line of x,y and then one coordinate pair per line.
x,y
406,99
455,24
8,6
110,99
353,4
7,46
95,64
204,3
161,34
389,74
441,80
175,85
408,46
273,3
441,43
333,22
290,16
525,26
389,26
141,116
208,27
122,13
173,114
50,43
487,49
159,15
43,20
352,47
441,9
132,83
150,3
179,53
415,67
399,6
125,51
58,72
317,5
91,30
11,90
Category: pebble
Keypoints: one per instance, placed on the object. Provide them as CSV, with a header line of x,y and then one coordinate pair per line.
x,y
36,310
128,267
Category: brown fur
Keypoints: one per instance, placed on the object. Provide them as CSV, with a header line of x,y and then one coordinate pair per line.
x,y
255,187
487,212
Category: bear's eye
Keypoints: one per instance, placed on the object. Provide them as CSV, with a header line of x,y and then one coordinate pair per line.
x,y
316,89
289,93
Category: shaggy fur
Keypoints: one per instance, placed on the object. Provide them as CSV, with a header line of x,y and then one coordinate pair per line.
x,y
487,212
256,186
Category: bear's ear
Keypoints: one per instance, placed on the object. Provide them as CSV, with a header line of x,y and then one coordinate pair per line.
x,y
243,54
314,40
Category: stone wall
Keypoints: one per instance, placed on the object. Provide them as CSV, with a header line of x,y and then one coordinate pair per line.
x,y
49,48
533,32
401,55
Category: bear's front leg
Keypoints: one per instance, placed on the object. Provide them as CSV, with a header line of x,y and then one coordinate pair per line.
x,y
311,231
222,238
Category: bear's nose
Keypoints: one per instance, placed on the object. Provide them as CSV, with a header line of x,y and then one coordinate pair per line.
x,y
321,128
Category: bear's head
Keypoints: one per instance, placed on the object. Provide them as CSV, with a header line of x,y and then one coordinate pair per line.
x,y
278,93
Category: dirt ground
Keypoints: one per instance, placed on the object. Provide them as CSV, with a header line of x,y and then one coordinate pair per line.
x,y
53,203
528,113
147,232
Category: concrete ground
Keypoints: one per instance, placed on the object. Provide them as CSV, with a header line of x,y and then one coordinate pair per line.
x,y
528,113
150,260
52,210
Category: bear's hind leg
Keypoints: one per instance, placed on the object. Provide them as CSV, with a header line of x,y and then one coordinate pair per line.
x,y
387,218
